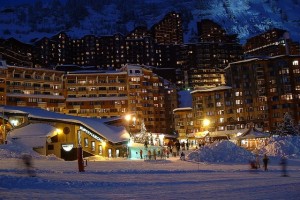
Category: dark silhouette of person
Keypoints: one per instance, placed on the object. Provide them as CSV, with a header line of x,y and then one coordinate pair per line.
x,y
283,163
182,156
27,160
265,161
141,154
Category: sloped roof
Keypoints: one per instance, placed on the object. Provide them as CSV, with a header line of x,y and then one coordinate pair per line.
x,y
112,133
253,133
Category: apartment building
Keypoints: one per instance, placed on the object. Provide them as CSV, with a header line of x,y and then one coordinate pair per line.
x,y
271,43
21,86
168,30
209,31
184,123
267,88
92,93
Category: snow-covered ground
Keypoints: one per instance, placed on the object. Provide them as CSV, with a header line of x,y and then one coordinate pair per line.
x,y
138,179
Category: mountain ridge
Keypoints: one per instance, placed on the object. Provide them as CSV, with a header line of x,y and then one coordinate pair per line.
x,y
30,20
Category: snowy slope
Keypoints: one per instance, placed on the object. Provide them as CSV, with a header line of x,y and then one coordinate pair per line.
x,y
27,20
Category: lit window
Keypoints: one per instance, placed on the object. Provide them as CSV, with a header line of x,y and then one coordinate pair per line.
x,y
93,146
238,102
295,62
239,110
86,142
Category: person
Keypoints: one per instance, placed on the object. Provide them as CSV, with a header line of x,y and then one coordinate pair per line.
x,y
283,163
253,164
27,160
149,154
154,154
257,162
182,156
141,154
265,161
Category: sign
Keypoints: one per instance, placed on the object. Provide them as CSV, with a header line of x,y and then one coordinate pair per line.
x,y
67,147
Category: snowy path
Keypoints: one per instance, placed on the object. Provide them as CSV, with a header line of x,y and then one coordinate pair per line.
x,y
144,180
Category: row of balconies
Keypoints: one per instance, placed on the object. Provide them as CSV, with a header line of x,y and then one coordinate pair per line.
x,y
40,104
57,80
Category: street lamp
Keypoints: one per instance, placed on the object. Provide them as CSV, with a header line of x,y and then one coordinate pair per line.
x,y
206,122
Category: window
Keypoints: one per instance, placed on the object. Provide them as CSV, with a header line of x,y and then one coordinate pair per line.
x,y
295,62
100,150
50,147
86,142
93,146
109,153
238,102
238,94
221,128
230,127
221,120
239,110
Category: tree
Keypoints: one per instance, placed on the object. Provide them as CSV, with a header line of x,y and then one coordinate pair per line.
x,y
287,127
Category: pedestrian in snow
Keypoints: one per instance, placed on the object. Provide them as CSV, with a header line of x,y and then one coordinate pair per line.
x,y
283,163
257,162
149,154
141,154
265,161
27,160
154,154
182,156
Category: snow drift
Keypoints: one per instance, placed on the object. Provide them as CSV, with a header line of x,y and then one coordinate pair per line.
x,y
221,152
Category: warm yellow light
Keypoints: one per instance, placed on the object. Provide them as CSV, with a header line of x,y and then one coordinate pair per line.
x,y
103,144
206,122
128,117
58,131
134,119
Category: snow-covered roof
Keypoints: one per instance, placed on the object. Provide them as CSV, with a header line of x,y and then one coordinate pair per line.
x,y
99,126
210,89
182,109
32,135
253,133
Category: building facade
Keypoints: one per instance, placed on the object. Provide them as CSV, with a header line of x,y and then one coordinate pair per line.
x,y
271,43
92,93
267,88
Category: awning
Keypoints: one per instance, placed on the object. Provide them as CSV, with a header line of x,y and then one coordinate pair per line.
x,y
201,134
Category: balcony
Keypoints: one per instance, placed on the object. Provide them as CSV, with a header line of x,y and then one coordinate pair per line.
x,y
42,104
21,103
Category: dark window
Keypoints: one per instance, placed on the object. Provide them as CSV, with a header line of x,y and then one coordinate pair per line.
x,y
50,147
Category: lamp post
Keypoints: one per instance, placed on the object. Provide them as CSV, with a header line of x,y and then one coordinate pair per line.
x,y
129,118
80,153
206,124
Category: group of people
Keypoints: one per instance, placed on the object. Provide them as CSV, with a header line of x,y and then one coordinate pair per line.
x,y
255,164
162,153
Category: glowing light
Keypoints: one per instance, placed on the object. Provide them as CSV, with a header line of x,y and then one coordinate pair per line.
x,y
58,131
130,142
128,117
206,122
67,147
103,144
14,122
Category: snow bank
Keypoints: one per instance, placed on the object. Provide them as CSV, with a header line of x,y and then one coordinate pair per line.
x,y
221,152
16,150
288,146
